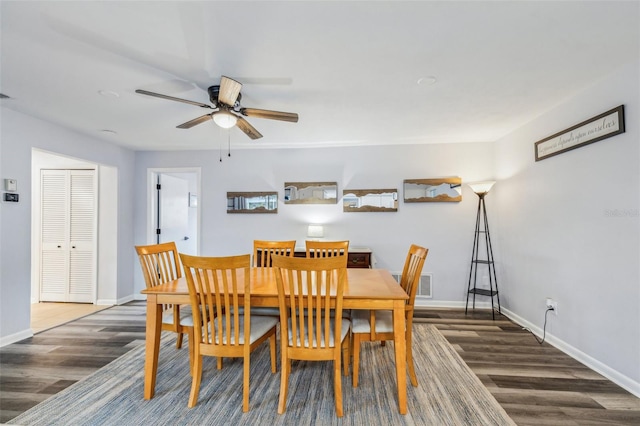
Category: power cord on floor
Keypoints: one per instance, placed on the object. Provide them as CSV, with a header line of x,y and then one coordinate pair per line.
x,y
544,328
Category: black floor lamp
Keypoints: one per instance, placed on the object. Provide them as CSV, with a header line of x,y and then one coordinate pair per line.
x,y
482,229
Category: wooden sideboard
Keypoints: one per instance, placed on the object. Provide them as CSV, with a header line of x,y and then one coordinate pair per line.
x,y
357,257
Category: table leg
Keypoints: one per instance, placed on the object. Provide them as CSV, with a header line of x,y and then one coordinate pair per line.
x,y
152,344
400,345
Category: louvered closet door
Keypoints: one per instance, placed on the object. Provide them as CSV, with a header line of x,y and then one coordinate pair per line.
x,y
68,260
54,262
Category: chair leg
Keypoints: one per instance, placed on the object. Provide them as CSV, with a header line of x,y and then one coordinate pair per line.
x,y
412,371
192,345
272,344
219,363
285,367
179,340
337,386
356,358
195,382
245,384
346,345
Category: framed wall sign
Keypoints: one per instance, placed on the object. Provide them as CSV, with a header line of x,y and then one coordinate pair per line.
x,y
595,129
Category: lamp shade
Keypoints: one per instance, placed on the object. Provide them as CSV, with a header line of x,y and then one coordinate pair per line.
x,y
225,119
482,187
315,231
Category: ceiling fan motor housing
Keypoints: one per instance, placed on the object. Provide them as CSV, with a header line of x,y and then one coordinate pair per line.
x,y
214,92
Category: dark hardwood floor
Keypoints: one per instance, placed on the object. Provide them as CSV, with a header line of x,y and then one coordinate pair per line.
x,y
36,368
536,384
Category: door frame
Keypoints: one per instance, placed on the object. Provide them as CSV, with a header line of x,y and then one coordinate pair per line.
x,y
152,201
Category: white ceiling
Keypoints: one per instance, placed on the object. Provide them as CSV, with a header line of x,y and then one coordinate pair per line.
x,y
349,69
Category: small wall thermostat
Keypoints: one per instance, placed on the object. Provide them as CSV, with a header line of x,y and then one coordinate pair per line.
x,y
10,185
8,196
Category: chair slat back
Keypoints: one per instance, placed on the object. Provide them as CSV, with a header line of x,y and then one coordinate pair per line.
x,y
308,291
219,289
159,263
411,272
263,250
319,249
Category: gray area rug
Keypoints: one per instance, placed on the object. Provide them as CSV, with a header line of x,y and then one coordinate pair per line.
x,y
448,392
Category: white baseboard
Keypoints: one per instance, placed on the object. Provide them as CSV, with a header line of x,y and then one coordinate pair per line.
x,y
13,338
113,302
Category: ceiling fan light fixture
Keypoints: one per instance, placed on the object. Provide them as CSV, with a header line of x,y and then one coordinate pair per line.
x,y
225,119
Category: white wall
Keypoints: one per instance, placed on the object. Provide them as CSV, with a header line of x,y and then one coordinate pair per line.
x,y
568,228
445,228
19,134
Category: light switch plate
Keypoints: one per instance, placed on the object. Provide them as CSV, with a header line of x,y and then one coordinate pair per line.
x,y
10,185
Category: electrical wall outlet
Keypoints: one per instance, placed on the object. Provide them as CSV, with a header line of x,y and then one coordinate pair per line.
x,y
552,304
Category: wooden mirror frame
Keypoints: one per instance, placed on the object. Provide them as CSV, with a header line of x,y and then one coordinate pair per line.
x,y
347,203
454,183
236,202
310,192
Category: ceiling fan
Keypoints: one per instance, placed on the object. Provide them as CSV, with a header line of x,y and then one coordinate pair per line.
x,y
225,99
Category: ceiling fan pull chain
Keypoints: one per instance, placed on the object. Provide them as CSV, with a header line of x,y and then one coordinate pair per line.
x,y
229,141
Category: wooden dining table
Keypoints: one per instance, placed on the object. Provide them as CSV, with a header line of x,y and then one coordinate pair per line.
x,y
364,289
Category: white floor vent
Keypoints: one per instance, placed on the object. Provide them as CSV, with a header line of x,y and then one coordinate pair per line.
x,y
425,286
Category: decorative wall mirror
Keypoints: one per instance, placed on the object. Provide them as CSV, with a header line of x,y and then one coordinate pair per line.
x,y
370,200
430,190
310,192
252,202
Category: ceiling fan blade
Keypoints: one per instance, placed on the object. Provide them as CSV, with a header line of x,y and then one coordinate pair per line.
x,y
229,91
171,98
248,129
189,124
272,115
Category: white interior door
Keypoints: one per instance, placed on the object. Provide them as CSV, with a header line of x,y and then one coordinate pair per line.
x,y
173,213
68,232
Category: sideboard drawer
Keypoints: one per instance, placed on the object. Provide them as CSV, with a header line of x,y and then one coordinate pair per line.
x,y
357,257
359,260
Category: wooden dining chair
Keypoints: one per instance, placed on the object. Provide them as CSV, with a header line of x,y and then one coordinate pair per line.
x,y
377,325
263,250
309,290
327,248
160,264
321,249
218,288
